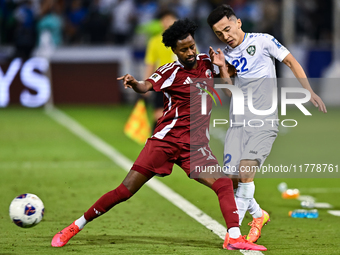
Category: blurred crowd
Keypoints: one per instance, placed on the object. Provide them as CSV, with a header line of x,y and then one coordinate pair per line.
x,y
26,24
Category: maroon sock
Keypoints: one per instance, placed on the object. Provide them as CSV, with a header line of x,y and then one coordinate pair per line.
x,y
223,187
107,201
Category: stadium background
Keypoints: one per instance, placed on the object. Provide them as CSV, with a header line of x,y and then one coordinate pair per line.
x,y
87,44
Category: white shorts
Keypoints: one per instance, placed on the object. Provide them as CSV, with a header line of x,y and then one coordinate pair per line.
x,y
247,143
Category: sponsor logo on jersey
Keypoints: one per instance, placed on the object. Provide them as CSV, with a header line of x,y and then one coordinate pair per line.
x,y
155,77
279,45
187,81
253,152
208,73
251,50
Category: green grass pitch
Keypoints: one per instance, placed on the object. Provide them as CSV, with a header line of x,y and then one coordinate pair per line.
x,y
39,156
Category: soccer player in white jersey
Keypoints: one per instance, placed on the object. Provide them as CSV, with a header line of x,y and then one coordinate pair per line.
x,y
253,55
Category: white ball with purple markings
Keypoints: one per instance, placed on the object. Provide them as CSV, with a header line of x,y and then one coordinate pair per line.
x,y
26,210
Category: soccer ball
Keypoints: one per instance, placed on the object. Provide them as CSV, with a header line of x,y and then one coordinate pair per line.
x,y
26,210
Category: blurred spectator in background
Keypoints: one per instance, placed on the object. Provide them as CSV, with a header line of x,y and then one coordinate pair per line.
x,y
145,11
270,19
7,21
145,26
249,12
96,24
25,30
314,21
75,17
183,9
131,23
157,55
122,23
51,22
204,36
215,3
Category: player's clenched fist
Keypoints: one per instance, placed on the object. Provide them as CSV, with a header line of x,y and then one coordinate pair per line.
x,y
128,80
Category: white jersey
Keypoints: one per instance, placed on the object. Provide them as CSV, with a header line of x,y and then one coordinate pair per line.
x,y
254,60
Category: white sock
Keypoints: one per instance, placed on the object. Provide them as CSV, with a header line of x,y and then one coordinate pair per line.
x,y
234,232
254,209
245,192
81,222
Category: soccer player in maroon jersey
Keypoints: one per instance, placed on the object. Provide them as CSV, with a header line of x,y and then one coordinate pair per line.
x,y
176,139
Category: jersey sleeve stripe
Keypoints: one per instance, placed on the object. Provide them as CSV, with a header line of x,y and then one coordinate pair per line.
x,y
163,67
168,68
168,82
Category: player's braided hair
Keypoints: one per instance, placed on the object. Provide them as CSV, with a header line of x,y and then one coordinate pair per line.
x,y
178,31
218,13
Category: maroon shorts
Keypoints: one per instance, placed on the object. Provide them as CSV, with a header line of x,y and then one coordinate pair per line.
x,y
159,156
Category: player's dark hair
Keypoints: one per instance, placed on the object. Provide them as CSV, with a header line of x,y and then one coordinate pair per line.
x,y
166,12
218,13
178,31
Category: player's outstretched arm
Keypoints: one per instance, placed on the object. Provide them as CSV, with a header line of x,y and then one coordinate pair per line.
x,y
300,74
139,86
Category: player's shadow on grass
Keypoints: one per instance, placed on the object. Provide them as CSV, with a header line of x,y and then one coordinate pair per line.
x,y
149,240
130,240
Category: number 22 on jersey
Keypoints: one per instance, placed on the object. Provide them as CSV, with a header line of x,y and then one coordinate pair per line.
x,y
242,62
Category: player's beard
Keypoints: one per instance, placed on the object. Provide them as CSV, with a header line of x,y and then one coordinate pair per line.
x,y
190,64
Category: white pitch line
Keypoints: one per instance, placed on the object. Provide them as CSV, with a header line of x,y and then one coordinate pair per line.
x,y
154,184
334,212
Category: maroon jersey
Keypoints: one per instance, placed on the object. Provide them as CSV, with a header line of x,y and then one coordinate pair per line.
x,y
182,116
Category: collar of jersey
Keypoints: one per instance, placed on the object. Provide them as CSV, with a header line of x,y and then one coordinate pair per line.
x,y
245,36
179,63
